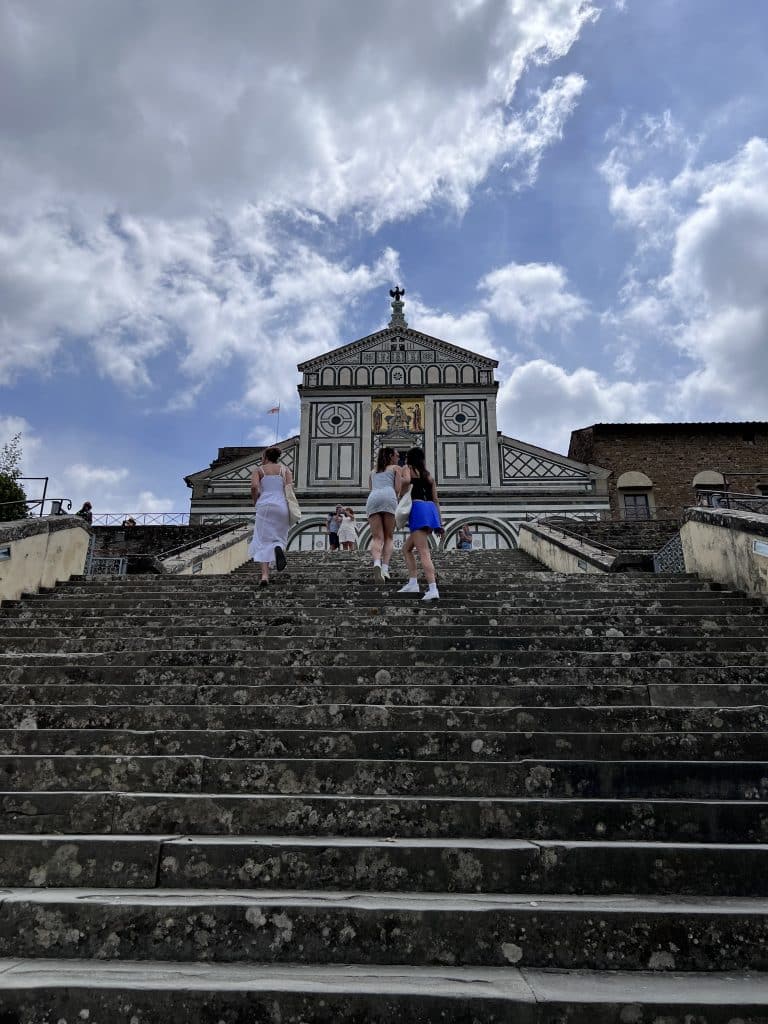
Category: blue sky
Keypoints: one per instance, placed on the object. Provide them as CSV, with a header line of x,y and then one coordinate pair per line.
x,y
198,196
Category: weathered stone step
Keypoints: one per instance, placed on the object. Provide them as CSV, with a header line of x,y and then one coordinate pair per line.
x,y
93,618
384,865
533,818
385,719
586,932
416,745
405,642
177,993
398,661
346,602
668,779
683,695
377,682
450,633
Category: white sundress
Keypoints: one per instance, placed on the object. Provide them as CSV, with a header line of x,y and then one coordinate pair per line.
x,y
270,528
347,531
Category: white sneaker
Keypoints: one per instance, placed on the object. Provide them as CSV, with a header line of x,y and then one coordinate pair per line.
x,y
385,573
409,588
431,595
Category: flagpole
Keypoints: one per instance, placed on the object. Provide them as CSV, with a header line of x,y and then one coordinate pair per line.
x,y
277,425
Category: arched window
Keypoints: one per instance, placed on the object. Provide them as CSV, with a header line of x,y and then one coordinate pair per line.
x,y
416,375
361,377
709,487
635,491
451,375
328,376
468,375
379,376
345,376
433,375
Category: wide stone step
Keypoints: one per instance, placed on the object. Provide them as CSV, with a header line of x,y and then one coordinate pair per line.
x,y
669,779
400,661
340,642
178,992
530,818
370,744
377,682
65,620
384,865
684,695
388,720
428,929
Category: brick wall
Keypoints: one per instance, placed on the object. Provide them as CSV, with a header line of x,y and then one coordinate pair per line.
x,y
671,454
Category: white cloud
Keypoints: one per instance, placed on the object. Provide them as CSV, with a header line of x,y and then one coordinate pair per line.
x,y
149,502
542,403
471,329
81,475
532,296
169,206
704,230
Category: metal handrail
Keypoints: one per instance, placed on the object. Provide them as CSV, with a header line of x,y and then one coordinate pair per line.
x,y
543,519
57,504
232,525
738,500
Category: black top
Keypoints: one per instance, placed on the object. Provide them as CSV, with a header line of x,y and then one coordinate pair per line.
x,y
421,489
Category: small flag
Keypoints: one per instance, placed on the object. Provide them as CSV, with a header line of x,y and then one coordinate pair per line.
x,y
275,408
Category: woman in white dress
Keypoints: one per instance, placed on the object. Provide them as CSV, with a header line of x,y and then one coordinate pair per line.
x,y
270,529
380,509
348,530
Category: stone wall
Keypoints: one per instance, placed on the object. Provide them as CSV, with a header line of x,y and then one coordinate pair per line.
x,y
728,547
40,552
624,535
671,454
141,544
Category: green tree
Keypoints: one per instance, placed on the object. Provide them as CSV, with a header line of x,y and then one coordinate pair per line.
x,y
13,500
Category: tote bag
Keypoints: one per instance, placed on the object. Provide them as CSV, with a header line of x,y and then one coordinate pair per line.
x,y
403,510
294,509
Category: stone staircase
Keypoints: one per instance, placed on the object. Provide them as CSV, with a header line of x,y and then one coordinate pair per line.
x,y
542,800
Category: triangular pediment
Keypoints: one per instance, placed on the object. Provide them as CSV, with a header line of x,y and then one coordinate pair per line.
x,y
435,349
521,461
237,472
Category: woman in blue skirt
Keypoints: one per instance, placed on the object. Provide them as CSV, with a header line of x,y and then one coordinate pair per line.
x,y
424,520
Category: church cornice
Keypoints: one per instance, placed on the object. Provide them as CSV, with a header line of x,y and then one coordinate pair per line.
x,y
395,335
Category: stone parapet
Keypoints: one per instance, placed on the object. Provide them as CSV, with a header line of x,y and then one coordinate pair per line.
x,y
40,552
728,547
562,552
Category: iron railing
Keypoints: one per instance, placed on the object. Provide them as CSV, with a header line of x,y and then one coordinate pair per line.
x,y
736,500
56,506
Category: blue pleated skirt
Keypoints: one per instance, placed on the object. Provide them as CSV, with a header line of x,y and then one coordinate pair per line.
x,y
424,516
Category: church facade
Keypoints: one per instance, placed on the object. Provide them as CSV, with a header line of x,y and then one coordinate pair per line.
x,y
403,388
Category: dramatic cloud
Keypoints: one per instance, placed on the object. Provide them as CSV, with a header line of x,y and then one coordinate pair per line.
x,y
177,197
711,300
533,296
542,403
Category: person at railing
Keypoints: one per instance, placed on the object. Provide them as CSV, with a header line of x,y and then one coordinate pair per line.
x,y
86,512
464,538
129,523
270,528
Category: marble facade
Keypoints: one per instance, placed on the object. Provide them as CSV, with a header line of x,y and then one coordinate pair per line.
x,y
401,387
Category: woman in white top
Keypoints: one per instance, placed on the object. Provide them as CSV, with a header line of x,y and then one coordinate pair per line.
x,y
270,529
380,508
348,530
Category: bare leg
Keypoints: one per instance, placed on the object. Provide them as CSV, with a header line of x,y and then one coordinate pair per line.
x,y
421,543
377,535
388,521
410,558
265,571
